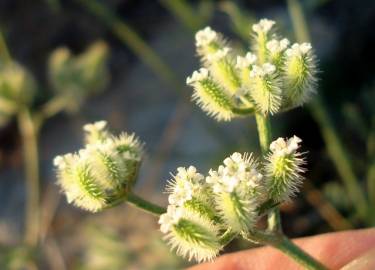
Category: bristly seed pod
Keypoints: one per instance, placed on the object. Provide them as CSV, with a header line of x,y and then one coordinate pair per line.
x,y
222,69
237,191
265,88
102,172
192,235
284,169
210,96
299,74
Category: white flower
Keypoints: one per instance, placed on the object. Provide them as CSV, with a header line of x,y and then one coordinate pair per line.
x,y
282,147
170,218
95,127
237,189
205,37
298,49
237,170
197,76
245,62
264,26
184,185
277,46
219,54
261,71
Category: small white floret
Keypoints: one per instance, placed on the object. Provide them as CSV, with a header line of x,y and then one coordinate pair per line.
x,y
263,26
247,61
197,76
205,37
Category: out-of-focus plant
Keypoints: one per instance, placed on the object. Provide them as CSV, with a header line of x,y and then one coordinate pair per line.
x,y
206,212
73,78
76,77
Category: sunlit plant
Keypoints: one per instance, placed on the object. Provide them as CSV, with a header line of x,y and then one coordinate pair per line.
x,y
207,211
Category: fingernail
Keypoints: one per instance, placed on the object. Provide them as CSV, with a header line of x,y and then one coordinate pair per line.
x,y
364,262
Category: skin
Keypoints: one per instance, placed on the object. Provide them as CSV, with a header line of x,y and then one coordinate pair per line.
x,y
334,250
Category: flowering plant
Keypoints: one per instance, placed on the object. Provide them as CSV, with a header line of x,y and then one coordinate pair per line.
x,y
206,212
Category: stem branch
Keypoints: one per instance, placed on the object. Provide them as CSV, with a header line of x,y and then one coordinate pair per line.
x,y
29,135
145,205
265,136
286,246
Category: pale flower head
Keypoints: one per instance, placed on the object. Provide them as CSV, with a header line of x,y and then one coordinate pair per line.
x,y
197,76
261,71
299,49
263,26
282,147
205,36
277,46
247,61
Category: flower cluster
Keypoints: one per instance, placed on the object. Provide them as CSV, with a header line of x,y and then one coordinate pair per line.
x,y
101,173
202,208
275,77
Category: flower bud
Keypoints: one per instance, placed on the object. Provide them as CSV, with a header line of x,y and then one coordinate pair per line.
x,y
76,77
190,234
208,42
262,33
95,132
101,173
210,96
17,89
188,189
299,74
284,169
237,191
265,88
275,49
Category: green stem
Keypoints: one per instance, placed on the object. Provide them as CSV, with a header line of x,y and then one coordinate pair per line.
x,y
264,132
243,111
265,136
317,108
282,243
145,205
51,108
29,135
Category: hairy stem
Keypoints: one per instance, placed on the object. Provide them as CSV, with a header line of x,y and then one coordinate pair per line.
x,y
265,136
286,246
29,135
145,205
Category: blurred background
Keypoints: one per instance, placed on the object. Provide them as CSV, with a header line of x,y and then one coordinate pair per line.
x,y
68,62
